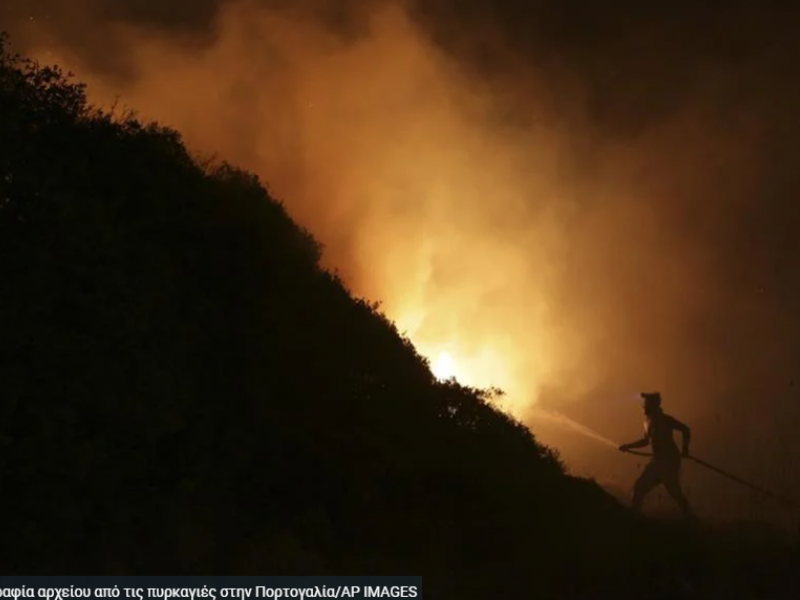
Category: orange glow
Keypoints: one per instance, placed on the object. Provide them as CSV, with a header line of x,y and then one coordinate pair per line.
x,y
551,224
448,198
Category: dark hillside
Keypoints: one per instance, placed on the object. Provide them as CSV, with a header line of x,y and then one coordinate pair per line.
x,y
184,390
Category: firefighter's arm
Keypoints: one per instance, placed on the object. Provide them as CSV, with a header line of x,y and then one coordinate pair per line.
x,y
686,434
641,443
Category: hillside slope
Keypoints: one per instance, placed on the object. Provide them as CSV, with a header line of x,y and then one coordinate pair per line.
x,y
185,390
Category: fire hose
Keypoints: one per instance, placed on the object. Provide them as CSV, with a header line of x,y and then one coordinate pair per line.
x,y
780,499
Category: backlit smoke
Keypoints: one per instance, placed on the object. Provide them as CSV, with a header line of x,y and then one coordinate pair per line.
x,y
519,239
388,153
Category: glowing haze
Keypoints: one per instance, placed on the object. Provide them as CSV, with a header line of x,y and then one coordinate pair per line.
x,y
516,239
383,148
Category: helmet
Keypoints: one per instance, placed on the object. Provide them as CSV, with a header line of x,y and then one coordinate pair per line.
x,y
651,399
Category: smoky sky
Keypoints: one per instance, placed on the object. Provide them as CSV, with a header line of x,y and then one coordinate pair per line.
x,y
578,200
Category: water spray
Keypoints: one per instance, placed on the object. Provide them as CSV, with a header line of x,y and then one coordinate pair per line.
x,y
563,420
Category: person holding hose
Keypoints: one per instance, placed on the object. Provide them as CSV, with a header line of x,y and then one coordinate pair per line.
x,y
665,466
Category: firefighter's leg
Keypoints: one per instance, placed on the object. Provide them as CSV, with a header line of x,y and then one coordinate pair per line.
x,y
647,481
672,483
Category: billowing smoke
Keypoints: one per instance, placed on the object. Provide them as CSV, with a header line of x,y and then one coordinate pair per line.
x,y
572,207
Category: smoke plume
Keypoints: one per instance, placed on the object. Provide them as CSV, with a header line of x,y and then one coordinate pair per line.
x,y
571,212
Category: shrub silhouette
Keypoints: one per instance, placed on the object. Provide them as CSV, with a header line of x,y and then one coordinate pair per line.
x,y
185,390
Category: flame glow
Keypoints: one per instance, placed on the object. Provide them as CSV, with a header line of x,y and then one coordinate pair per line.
x,y
444,367
463,205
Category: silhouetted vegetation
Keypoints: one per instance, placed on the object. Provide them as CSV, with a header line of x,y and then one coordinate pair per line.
x,y
185,390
